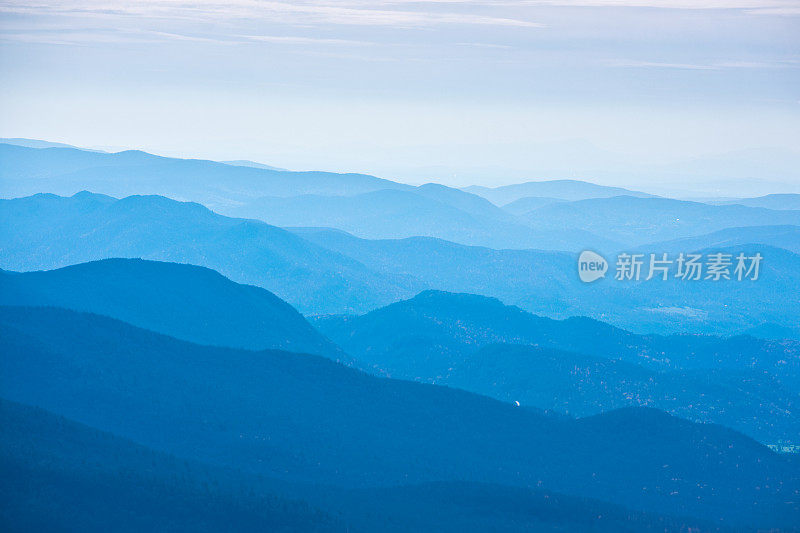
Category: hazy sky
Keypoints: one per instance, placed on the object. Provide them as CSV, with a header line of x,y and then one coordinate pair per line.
x,y
619,91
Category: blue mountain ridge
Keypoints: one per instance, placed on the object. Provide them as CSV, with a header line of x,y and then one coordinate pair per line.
x,y
305,419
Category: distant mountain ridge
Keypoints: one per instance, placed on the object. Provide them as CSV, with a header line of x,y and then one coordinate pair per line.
x,y
638,221
585,215
546,283
785,236
529,203
770,201
36,143
48,231
359,203
329,272
254,164
183,301
66,171
570,190
429,211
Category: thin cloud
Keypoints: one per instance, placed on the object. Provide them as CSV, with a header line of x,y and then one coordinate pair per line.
x,y
305,40
486,45
69,36
778,63
755,6
310,12
776,11
658,64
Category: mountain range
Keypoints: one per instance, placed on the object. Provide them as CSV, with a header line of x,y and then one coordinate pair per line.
x,y
769,201
602,224
331,272
786,237
559,189
229,346
591,216
578,366
47,231
78,466
305,419
60,170
428,210
60,475
545,282
183,301
638,221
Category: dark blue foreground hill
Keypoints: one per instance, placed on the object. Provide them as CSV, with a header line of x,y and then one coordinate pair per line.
x,y
183,301
304,418
749,400
62,475
59,475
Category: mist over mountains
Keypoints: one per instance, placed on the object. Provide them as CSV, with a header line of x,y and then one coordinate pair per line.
x,y
339,420
329,272
229,346
370,207
638,221
400,267
87,227
59,170
569,190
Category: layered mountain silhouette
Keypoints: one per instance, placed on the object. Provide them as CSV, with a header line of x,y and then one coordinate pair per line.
x,y
786,237
429,210
365,205
769,201
774,331
47,231
156,372
637,221
339,273
59,475
253,164
727,302
558,189
751,401
183,301
306,419
37,143
546,282
529,203
475,321
59,170
598,217
578,365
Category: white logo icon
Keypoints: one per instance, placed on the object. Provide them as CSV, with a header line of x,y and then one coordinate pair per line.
x,y
591,266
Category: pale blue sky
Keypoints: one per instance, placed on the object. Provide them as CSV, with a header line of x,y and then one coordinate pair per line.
x,y
615,91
